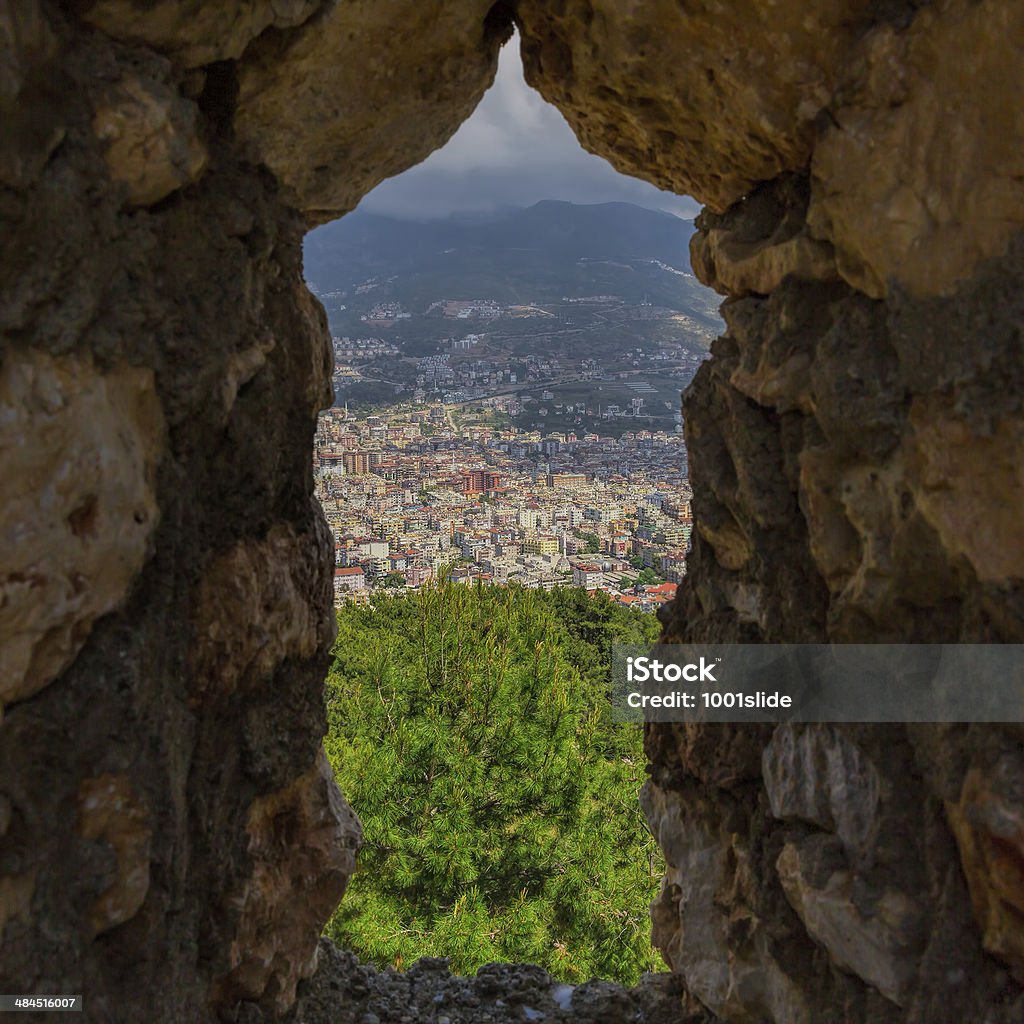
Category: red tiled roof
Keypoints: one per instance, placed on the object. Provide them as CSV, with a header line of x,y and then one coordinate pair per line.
x,y
662,588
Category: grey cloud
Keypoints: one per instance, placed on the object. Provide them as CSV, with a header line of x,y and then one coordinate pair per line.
x,y
514,150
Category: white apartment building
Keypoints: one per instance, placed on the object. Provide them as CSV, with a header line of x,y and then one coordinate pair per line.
x,y
587,575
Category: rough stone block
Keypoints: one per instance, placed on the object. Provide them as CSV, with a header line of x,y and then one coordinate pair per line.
x,y
80,449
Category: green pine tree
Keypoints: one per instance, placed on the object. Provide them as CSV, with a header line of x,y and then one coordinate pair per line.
x,y
471,730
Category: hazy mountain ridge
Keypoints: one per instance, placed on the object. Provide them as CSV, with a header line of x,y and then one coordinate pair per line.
x,y
551,227
533,254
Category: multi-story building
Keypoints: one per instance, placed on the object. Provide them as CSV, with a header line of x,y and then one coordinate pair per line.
x,y
356,463
478,481
588,575
568,480
542,544
528,518
349,585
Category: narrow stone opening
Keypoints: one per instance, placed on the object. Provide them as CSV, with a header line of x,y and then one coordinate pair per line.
x,y
171,837
466,299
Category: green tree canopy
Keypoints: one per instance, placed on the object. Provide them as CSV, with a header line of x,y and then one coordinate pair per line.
x,y
470,728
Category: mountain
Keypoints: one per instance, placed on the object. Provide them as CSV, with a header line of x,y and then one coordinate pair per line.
x,y
534,254
557,229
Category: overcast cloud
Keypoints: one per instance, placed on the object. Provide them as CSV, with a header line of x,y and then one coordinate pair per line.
x,y
514,150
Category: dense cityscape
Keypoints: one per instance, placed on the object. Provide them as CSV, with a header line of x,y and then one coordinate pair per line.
x,y
593,362
507,400
413,492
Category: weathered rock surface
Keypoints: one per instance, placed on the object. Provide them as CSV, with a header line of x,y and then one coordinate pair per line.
x,y
161,365
989,827
151,138
344,991
705,921
840,444
917,177
379,86
815,774
855,443
79,449
877,937
842,455
29,86
112,813
196,32
251,613
303,841
753,249
700,98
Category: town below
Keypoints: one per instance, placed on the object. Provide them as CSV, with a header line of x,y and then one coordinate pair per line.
x,y
416,494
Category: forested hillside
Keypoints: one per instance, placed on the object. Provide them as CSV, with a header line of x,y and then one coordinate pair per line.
x,y
470,729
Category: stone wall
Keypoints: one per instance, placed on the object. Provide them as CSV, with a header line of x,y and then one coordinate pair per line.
x,y
857,457
170,839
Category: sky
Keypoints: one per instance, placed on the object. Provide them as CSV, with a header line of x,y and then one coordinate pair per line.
x,y
514,150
